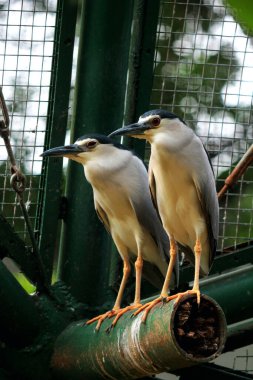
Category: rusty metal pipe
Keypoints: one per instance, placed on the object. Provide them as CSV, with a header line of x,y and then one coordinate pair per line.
x,y
175,335
238,171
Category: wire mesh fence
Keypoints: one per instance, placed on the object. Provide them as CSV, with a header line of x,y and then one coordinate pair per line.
x,y
26,52
240,359
203,73
244,361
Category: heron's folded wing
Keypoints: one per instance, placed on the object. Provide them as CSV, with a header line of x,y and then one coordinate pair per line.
x,y
209,204
152,187
102,216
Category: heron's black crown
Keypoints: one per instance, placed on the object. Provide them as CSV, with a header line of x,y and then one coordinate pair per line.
x,y
102,139
163,114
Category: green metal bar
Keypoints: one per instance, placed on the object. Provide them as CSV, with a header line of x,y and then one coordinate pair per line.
x,y
233,291
141,62
240,334
99,105
134,349
13,247
48,214
223,262
18,315
241,256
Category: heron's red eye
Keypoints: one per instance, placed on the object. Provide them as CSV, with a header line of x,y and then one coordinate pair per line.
x,y
91,144
156,121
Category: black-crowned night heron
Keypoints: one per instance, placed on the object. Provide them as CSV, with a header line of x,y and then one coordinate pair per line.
x,y
183,188
122,200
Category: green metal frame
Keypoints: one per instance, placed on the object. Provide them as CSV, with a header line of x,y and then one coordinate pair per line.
x,y
141,62
50,199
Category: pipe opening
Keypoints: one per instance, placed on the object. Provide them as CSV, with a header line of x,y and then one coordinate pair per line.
x,y
198,329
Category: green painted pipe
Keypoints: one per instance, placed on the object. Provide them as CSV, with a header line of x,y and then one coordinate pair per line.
x,y
175,335
240,334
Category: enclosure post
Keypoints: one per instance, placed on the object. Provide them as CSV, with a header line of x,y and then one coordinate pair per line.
x,y
48,213
99,105
141,65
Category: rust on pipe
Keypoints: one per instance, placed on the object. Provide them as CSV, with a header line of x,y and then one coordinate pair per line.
x,y
175,335
238,171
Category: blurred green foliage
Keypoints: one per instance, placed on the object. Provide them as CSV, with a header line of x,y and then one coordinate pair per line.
x,y
243,11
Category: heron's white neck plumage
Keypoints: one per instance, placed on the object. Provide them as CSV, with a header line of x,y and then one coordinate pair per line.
x,y
105,158
104,164
174,136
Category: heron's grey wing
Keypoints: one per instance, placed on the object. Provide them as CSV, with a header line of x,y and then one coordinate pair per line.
x,y
209,159
152,187
102,216
152,274
207,195
149,218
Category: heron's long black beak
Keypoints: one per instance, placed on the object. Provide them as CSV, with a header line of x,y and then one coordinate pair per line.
x,y
135,129
63,151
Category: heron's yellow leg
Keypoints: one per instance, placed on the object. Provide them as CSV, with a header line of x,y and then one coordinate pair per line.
x,y
173,253
126,273
116,308
197,251
195,289
138,273
137,298
164,293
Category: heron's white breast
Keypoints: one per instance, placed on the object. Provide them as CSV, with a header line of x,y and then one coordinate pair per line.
x,y
115,178
177,198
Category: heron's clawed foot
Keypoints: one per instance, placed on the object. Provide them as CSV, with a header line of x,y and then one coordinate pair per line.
x,y
178,296
148,306
120,312
100,318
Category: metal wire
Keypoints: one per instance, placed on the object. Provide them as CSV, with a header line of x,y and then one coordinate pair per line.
x,y
202,72
18,183
26,52
244,360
